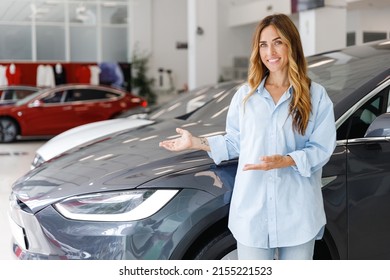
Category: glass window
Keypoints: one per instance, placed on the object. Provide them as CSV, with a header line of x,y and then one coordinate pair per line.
x,y
83,43
47,11
7,94
88,94
22,93
82,13
114,44
50,43
373,36
215,111
14,94
15,11
351,38
113,13
15,42
97,30
55,97
357,124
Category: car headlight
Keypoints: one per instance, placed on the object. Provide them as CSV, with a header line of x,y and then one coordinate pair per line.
x,y
115,206
37,161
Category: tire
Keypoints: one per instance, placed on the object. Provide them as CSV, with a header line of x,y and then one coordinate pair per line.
x,y
8,130
221,247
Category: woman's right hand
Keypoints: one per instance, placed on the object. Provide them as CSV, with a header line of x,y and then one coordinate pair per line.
x,y
184,142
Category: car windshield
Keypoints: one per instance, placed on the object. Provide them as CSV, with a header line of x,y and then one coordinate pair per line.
x,y
215,111
189,102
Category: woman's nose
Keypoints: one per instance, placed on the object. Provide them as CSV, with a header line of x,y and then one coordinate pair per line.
x,y
271,50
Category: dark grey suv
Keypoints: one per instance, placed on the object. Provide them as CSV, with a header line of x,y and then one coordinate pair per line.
x,y
123,197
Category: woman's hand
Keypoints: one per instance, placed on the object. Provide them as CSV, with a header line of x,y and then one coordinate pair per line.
x,y
270,162
184,142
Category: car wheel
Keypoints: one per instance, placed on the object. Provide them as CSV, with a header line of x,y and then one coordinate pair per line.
x,y
221,247
8,130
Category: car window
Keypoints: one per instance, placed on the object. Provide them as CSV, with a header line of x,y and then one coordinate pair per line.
x,y
7,94
54,97
15,94
88,94
357,124
22,93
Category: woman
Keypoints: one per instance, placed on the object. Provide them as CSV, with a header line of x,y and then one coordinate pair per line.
x,y
281,126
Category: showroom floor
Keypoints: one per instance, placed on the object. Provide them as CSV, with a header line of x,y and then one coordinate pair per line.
x,y
15,161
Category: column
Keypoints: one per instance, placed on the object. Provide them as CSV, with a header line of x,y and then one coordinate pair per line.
x,y
202,42
323,29
140,27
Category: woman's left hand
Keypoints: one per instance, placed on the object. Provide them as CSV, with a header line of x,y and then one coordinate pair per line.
x,y
270,162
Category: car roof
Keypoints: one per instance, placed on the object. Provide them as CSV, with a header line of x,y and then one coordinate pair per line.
x,y
345,72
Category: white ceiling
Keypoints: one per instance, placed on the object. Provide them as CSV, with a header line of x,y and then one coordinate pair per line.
x,y
45,10
53,10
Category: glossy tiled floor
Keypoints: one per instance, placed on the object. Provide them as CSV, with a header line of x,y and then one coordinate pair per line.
x,y
15,161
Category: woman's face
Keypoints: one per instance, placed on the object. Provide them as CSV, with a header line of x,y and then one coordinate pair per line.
x,y
273,52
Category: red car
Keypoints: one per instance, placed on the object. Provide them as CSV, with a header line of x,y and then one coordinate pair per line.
x,y
51,111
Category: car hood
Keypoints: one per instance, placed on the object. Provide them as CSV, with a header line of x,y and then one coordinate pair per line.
x,y
86,133
126,161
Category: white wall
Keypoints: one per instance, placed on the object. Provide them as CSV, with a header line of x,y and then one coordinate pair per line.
x,y
169,27
140,27
232,41
155,28
253,11
322,29
374,20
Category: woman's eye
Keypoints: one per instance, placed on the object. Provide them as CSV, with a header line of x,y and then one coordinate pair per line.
x,y
262,45
277,43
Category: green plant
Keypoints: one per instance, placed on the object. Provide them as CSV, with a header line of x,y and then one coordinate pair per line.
x,y
141,83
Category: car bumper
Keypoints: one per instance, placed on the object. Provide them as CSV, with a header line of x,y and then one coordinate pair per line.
x,y
49,235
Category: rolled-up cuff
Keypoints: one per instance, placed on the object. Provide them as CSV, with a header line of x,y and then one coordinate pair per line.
x,y
301,165
218,150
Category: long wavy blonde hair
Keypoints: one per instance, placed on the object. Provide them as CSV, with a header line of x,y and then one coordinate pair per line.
x,y
300,105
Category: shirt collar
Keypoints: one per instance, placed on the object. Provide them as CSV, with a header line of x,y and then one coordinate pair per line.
x,y
260,88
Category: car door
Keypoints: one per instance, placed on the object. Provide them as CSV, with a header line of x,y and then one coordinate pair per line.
x,y
90,105
368,182
48,115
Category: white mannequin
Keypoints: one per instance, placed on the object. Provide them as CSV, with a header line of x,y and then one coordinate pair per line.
x,y
58,68
12,68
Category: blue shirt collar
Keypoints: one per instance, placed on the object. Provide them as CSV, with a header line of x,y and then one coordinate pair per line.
x,y
260,89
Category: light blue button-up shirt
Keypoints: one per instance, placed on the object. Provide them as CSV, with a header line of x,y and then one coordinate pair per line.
x,y
280,207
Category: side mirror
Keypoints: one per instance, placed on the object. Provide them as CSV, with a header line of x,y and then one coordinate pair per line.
x,y
35,103
380,127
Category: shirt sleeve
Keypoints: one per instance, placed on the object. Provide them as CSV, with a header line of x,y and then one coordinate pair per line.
x,y
225,147
322,141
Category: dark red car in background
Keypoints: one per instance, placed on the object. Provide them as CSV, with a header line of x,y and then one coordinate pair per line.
x,y
51,111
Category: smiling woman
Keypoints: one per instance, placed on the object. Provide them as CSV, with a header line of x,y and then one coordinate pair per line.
x,y
281,128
